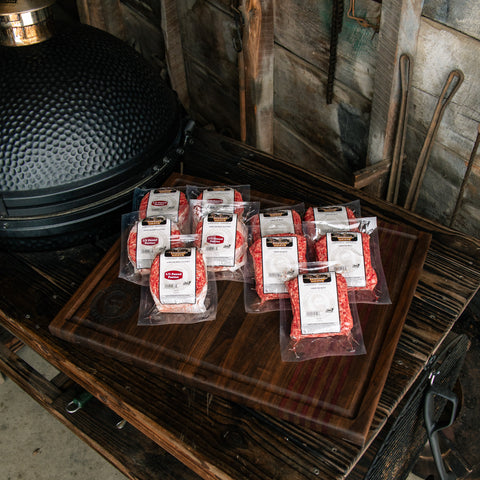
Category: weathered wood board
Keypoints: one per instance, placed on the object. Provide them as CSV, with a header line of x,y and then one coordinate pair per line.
x,y
304,29
461,16
210,63
457,131
333,130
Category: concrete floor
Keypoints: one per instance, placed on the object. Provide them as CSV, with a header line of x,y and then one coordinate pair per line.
x,y
36,446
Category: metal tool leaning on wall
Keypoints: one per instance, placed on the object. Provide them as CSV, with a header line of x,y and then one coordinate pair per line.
x,y
450,87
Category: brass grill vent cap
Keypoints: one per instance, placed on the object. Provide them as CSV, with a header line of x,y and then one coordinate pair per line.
x,y
25,22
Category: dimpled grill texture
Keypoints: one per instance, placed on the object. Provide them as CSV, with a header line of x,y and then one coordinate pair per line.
x,y
77,106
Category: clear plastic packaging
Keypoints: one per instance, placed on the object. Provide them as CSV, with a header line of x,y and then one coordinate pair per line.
x,y
330,218
356,254
207,199
270,261
168,202
180,290
141,241
279,220
319,318
223,236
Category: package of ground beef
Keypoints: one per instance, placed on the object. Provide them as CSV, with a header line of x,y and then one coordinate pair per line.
x,y
272,260
321,319
356,255
167,202
180,289
141,241
223,239
277,221
321,220
204,200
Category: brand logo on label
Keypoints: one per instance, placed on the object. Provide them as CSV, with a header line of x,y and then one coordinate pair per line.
x,y
159,203
173,275
215,239
149,241
215,201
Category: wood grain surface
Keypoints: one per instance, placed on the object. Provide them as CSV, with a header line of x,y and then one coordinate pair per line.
x,y
238,356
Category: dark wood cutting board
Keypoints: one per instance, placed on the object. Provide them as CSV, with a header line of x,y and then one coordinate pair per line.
x,y
237,355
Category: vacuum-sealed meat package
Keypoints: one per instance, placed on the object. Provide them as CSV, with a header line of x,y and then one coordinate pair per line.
x,y
206,200
141,241
324,219
321,320
356,254
167,202
277,221
180,289
272,260
223,238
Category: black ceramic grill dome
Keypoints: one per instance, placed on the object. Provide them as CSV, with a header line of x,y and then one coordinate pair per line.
x,y
83,120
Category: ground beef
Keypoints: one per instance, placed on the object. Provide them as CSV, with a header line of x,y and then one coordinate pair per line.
x,y
346,319
183,209
198,211
310,216
132,245
322,255
255,225
256,252
240,247
201,287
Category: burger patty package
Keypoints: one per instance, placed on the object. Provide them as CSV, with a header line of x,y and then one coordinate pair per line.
x,y
207,199
167,202
223,237
141,241
328,218
180,289
279,220
356,254
319,319
271,261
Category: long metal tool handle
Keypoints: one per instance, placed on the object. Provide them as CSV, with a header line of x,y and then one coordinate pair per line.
x,y
451,86
466,177
398,151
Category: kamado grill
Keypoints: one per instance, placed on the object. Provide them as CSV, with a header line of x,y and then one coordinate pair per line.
x,y
84,119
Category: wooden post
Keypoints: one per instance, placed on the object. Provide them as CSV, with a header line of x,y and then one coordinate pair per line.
x,y
174,51
399,27
104,15
258,64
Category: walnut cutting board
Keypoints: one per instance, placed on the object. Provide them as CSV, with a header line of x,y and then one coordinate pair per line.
x,y
237,355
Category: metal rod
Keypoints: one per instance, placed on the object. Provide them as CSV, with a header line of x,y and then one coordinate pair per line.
x,y
455,78
398,151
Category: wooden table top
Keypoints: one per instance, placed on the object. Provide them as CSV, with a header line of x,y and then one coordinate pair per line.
x,y
215,437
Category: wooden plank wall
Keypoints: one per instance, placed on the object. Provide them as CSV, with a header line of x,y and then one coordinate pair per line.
x,y
449,38
285,105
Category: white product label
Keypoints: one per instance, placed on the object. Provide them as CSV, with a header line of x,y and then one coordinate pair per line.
x,y
274,223
329,219
279,262
177,276
318,298
218,196
164,202
153,235
346,250
219,234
